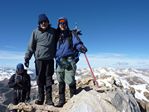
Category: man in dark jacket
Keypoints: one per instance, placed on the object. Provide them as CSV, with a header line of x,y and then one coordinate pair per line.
x,y
67,45
43,45
20,82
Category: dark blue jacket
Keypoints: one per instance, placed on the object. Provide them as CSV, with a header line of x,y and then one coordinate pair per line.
x,y
63,45
24,87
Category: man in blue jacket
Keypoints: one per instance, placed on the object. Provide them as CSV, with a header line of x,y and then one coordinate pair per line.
x,y
43,45
67,46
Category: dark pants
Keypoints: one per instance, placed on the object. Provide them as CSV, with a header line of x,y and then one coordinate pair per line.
x,y
18,96
44,72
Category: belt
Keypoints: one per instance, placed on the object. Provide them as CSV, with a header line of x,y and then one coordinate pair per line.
x,y
68,56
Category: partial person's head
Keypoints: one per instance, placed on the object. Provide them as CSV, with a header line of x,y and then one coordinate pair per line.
x,y
20,68
43,21
63,23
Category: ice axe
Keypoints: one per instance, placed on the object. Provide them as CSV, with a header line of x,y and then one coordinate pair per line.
x,y
94,81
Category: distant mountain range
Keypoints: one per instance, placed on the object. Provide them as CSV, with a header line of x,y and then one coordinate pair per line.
x,y
129,77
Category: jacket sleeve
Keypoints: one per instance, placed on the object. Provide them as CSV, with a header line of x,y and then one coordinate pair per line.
x,y
77,43
11,82
31,46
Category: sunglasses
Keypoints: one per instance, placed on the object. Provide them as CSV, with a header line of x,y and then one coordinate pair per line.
x,y
62,23
43,22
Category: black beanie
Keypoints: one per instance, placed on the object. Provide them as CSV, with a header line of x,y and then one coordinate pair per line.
x,y
42,17
20,67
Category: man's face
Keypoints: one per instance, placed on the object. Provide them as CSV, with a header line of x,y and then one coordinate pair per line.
x,y
44,25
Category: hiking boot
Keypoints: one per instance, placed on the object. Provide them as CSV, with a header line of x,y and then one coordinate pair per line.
x,y
72,90
49,96
38,102
49,102
61,95
40,99
61,101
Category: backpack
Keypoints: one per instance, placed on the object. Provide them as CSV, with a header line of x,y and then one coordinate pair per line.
x,y
76,52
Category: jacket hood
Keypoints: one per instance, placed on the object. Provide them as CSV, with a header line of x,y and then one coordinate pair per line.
x,y
64,20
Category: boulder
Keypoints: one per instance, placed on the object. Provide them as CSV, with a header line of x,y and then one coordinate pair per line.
x,y
111,101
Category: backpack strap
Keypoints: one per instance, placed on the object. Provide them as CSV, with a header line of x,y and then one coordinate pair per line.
x,y
70,41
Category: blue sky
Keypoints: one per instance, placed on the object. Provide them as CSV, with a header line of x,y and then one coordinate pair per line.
x,y
116,32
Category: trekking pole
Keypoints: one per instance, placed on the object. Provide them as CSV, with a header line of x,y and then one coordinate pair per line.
x,y
95,81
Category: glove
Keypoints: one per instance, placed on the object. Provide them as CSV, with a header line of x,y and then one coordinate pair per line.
x,y
83,49
26,63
